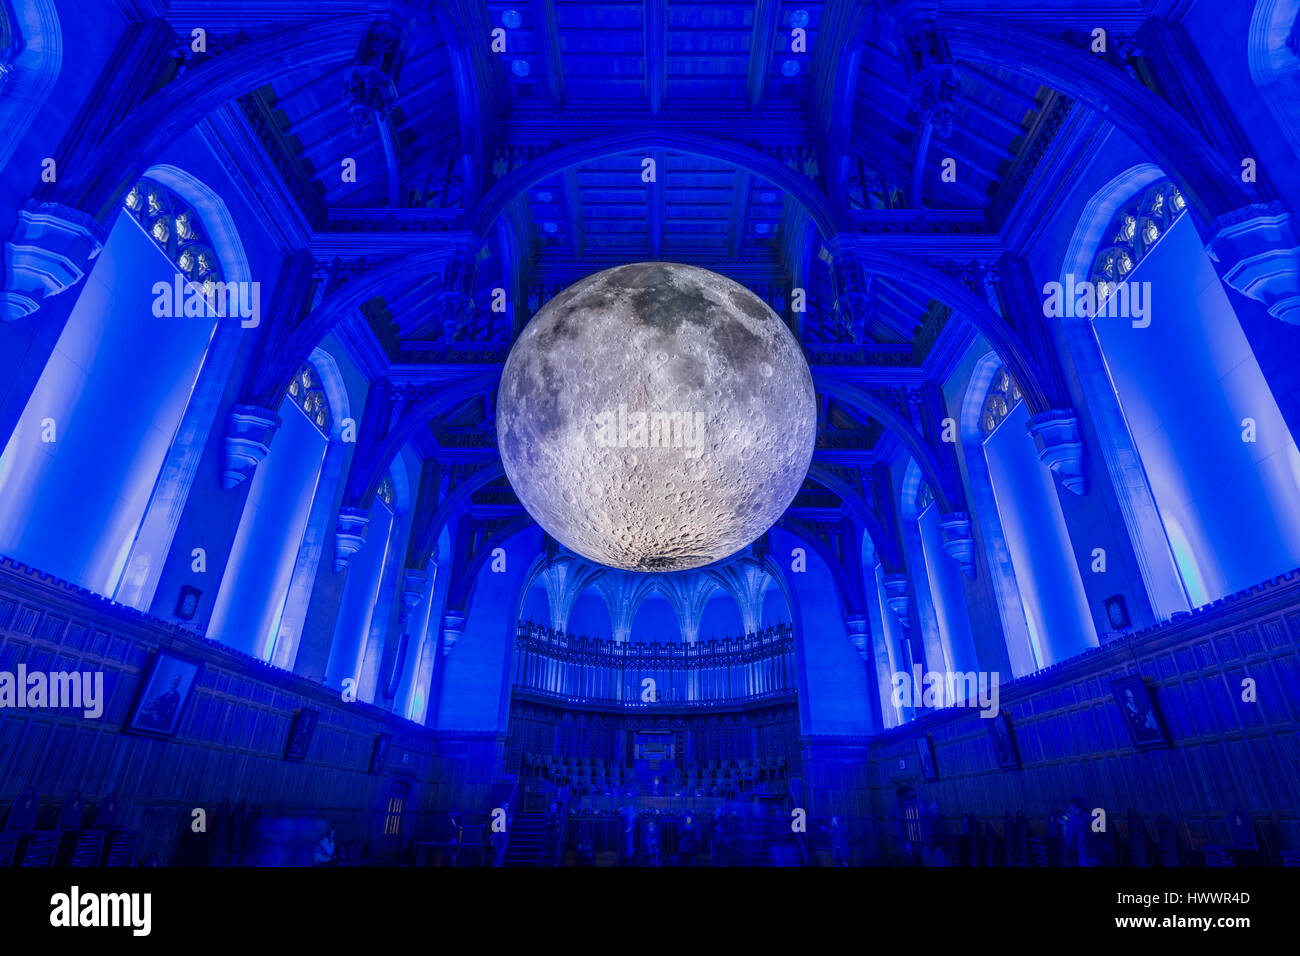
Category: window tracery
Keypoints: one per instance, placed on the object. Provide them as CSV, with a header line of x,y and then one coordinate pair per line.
x,y
1131,234
308,394
1003,396
177,230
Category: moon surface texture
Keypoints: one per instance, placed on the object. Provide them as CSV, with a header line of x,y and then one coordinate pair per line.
x,y
656,417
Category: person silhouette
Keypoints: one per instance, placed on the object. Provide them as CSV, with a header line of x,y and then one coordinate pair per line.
x,y
161,711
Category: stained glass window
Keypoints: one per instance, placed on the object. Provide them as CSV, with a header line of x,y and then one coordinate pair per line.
x,y
924,497
1003,396
307,393
1132,233
386,492
177,231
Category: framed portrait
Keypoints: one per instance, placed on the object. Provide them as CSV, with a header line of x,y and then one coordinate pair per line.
x,y
925,751
187,604
379,755
1004,745
1139,711
300,734
163,695
1117,612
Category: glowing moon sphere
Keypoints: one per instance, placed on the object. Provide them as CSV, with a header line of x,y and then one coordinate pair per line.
x,y
656,417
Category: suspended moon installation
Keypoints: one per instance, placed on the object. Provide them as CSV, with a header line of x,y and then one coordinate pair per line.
x,y
656,417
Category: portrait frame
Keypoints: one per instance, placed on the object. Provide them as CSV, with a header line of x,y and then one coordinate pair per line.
x,y
1004,742
300,734
164,692
379,753
925,753
1138,710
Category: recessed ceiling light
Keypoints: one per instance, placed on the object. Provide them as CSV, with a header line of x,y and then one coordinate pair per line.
x,y
512,19
797,19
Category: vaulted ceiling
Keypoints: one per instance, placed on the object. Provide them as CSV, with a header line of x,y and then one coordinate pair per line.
x,y
704,131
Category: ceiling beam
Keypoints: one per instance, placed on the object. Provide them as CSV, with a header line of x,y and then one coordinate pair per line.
x,y
573,203
657,203
547,30
739,211
656,53
760,49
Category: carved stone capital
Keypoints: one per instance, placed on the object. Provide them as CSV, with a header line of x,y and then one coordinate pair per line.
x,y
958,540
453,626
897,598
1056,433
859,630
1259,256
349,535
49,252
248,439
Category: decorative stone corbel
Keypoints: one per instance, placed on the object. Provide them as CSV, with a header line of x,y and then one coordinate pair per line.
x,y
1056,433
859,629
958,540
453,626
50,251
1259,256
349,535
248,439
896,596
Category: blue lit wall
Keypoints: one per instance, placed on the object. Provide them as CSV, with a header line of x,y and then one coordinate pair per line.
x,y
721,618
945,589
360,596
475,682
835,693
589,616
656,620
1231,508
247,611
73,506
1056,608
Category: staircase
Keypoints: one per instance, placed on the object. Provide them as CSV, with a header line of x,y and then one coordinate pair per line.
x,y
527,834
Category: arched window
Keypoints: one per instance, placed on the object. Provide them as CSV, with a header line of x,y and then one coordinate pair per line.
x,y
31,56
95,474
176,230
1041,598
251,604
1132,234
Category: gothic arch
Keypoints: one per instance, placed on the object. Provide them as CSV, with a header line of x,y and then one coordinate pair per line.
x,y
1275,65
802,189
97,180
948,496
1212,185
33,72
